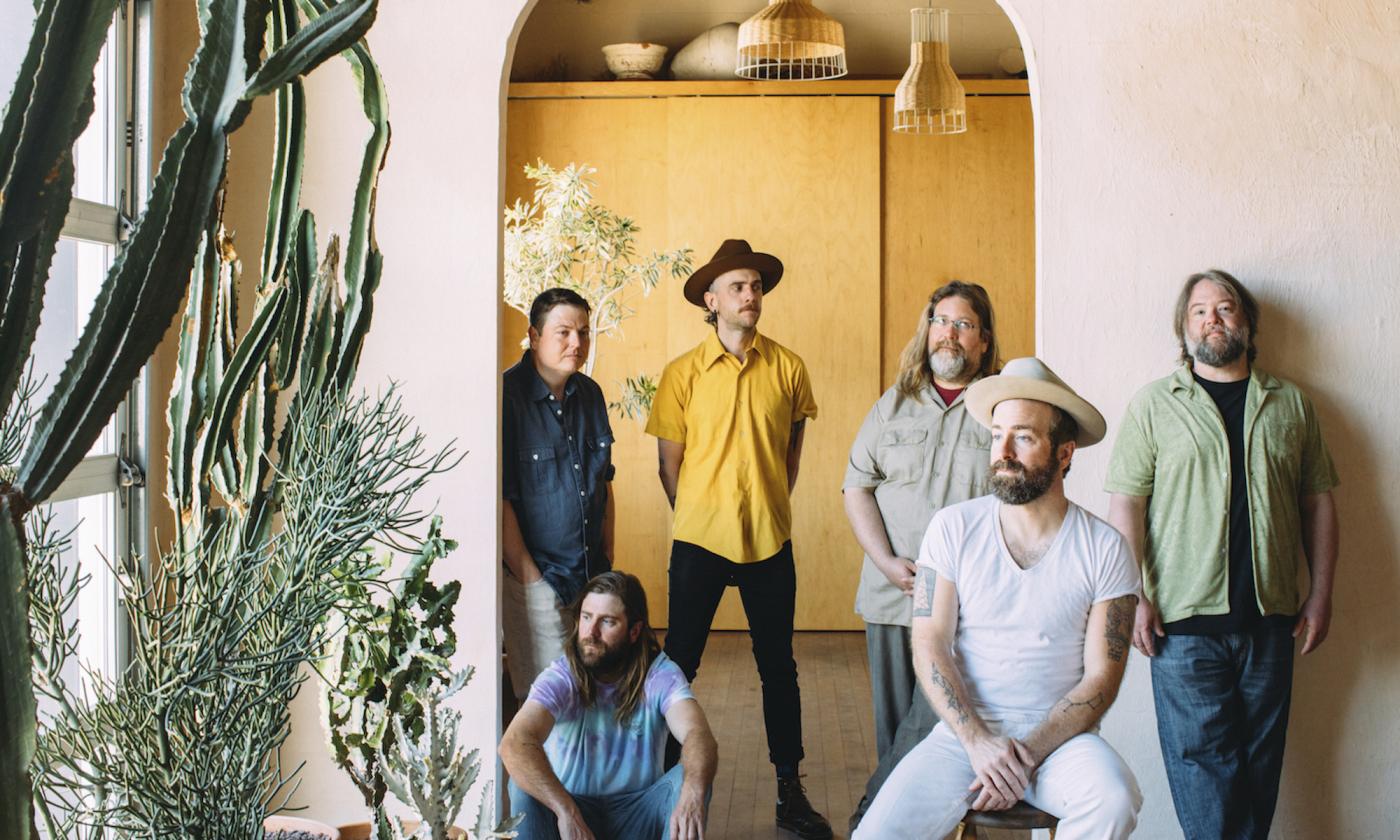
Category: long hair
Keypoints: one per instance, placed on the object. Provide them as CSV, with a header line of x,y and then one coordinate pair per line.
x,y
640,653
1237,292
915,374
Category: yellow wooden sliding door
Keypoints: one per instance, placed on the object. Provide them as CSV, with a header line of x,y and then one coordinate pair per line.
x,y
866,223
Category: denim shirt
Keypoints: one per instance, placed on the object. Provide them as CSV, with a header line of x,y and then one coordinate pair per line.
x,y
556,462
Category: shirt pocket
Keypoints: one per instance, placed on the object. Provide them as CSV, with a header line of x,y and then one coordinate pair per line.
x,y
597,458
539,468
903,454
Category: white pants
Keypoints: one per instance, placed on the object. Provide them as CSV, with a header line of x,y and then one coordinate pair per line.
x,y
534,630
1084,783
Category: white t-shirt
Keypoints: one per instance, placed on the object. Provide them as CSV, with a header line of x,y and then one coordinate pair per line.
x,y
1020,639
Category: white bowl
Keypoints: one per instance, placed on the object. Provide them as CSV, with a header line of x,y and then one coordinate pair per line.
x,y
634,61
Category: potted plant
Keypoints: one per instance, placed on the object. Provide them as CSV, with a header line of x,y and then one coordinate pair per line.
x,y
562,237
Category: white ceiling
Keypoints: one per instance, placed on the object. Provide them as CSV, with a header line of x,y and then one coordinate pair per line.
x,y
877,32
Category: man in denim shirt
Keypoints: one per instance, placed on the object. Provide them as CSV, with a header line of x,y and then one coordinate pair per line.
x,y
556,456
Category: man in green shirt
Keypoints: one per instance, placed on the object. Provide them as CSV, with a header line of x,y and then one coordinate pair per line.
x,y
1220,479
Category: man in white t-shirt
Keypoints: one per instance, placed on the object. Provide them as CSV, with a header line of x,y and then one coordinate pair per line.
x,y
1023,613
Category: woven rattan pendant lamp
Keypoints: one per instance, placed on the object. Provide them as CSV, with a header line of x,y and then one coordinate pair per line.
x,y
929,99
791,39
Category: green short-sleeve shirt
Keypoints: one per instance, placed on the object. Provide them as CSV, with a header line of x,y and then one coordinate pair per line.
x,y
1171,447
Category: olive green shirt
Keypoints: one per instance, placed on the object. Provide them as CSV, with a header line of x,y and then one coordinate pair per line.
x,y
918,456
1172,448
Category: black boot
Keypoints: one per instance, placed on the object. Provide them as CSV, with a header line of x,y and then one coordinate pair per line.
x,y
795,813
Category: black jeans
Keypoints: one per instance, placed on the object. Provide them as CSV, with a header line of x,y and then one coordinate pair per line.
x,y
768,589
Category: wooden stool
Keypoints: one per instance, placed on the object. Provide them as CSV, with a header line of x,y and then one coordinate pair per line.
x,y
1018,816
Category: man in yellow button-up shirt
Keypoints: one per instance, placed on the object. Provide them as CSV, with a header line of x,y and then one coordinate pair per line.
x,y
729,417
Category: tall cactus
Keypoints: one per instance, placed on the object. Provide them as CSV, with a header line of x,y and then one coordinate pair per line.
x,y
48,109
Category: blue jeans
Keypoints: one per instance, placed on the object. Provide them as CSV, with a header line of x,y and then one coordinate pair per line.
x,y
642,814
1222,714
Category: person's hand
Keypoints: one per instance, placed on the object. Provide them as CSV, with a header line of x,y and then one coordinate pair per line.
x,y
572,827
1147,624
688,819
1003,767
1313,621
530,571
900,572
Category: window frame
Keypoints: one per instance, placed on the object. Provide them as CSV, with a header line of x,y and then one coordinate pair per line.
x,y
121,472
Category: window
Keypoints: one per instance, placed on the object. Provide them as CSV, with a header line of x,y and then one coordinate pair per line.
x,y
101,503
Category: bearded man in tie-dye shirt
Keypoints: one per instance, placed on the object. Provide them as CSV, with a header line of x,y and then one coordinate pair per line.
x,y
585,751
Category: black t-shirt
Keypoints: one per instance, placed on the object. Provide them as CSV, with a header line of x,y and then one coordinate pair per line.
x,y
1244,614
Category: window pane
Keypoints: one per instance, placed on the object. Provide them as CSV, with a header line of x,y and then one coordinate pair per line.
x,y
95,153
74,281
92,521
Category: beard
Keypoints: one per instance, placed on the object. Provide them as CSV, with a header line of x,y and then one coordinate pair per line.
x,y
951,366
1025,485
599,657
1219,348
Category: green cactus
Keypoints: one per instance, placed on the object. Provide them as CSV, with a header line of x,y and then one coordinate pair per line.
x,y
390,657
48,109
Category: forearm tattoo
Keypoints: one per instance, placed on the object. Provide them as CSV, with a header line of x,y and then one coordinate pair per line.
x,y
951,696
924,579
795,438
1119,630
1094,703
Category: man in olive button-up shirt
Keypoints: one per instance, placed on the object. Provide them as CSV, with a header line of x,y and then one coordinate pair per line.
x,y
1220,480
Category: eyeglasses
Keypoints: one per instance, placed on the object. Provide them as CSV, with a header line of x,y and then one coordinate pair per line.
x,y
961,325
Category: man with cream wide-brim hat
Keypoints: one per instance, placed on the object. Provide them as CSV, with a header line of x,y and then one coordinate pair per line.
x,y
1023,613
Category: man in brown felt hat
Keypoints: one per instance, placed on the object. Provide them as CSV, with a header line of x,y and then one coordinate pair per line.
x,y
729,417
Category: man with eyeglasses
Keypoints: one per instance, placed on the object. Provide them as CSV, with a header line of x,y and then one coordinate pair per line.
x,y
917,452
1220,480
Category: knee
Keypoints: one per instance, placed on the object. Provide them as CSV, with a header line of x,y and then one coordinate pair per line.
x,y
1118,803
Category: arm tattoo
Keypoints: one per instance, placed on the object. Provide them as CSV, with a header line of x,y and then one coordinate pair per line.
x,y
1094,703
796,437
948,694
1119,629
924,579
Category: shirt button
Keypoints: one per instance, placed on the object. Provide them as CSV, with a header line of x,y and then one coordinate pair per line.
x,y
535,456
551,398
575,466
571,437
580,492
559,412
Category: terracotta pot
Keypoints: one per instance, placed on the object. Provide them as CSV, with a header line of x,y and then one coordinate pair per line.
x,y
364,831
300,824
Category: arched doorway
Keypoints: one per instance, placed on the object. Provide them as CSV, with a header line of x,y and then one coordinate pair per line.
x,y
867,222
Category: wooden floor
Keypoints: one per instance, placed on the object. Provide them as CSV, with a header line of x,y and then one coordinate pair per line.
x,y
837,731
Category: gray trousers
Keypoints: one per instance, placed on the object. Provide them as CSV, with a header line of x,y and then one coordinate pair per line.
x,y
903,716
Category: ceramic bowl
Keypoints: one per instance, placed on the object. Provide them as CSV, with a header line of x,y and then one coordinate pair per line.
x,y
634,61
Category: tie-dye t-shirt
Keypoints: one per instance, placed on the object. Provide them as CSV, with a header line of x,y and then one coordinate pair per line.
x,y
591,753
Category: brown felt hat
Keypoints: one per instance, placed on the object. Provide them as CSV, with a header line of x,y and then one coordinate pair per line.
x,y
734,253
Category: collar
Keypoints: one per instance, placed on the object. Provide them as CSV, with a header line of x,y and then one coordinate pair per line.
x,y
931,392
1182,380
711,349
535,386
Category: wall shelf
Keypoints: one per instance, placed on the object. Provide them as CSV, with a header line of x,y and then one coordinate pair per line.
x,y
741,87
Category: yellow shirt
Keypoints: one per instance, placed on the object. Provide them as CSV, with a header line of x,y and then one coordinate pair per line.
x,y
736,422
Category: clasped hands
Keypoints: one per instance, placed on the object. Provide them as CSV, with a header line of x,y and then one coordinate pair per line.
x,y
1003,767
